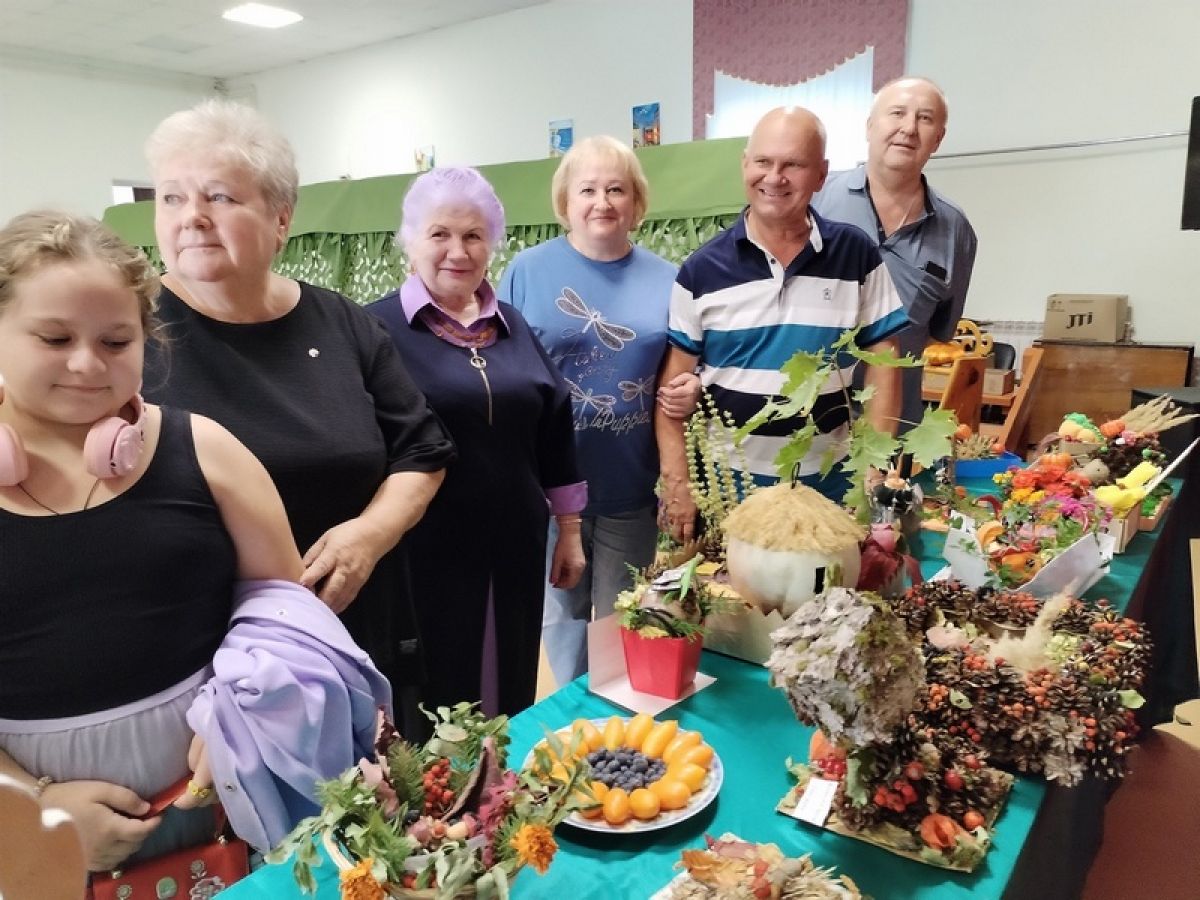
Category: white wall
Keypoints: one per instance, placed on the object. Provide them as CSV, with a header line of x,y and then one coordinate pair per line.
x,y
1017,73
67,133
484,92
1103,219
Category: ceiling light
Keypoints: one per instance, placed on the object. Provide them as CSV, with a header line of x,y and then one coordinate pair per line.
x,y
261,15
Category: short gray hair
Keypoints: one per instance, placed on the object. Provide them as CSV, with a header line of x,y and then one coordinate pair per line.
x,y
236,133
450,187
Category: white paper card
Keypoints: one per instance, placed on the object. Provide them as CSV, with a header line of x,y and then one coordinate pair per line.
x,y
816,801
1074,570
607,677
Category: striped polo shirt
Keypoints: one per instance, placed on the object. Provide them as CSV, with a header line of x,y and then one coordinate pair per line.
x,y
743,314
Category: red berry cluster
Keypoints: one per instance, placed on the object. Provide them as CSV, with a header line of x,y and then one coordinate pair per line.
x,y
901,793
832,766
438,795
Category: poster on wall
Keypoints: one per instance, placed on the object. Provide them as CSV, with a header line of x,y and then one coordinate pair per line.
x,y
562,135
646,132
423,158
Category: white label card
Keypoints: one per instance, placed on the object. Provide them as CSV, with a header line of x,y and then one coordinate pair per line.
x,y
816,801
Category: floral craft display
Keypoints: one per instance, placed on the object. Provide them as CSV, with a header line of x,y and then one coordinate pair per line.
x,y
851,667
847,666
662,627
732,869
1054,694
442,820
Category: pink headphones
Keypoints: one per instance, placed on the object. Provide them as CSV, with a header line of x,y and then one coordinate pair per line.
x,y
112,448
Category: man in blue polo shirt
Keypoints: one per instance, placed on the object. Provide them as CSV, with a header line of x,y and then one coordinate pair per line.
x,y
926,241
780,279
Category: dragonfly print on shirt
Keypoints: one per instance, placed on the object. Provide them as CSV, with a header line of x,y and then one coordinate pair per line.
x,y
639,389
589,399
609,334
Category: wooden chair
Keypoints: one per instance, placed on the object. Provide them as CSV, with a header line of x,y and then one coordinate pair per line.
x,y
964,391
42,857
1012,433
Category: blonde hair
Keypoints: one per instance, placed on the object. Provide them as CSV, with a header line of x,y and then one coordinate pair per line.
x,y
600,148
33,240
235,133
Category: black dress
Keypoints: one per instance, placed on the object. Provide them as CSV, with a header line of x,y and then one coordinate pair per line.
x,y
486,528
321,397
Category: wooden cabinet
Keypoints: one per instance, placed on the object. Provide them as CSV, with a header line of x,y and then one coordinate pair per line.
x,y
1096,379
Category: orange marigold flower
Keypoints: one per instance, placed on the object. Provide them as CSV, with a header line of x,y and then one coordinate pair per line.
x,y
535,846
359,884
1023,480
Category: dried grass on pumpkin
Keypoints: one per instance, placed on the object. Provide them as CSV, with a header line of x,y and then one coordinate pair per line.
x,y
783,517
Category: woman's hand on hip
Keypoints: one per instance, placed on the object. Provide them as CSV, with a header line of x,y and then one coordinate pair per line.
x,y
341,560
107,818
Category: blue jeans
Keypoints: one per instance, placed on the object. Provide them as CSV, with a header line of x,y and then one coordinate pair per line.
x,y
609,543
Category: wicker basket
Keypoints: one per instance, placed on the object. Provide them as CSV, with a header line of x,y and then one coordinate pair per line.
x,y
338,854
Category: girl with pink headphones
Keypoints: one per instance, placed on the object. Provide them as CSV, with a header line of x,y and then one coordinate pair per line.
x,y
123,528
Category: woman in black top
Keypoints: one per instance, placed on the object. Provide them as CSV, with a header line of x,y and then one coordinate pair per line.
x,y
306,379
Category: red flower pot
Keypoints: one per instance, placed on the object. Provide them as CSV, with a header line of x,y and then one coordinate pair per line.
x,y
662,666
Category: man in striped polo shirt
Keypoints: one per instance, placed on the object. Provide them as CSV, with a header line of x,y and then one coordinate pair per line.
x,y
780,279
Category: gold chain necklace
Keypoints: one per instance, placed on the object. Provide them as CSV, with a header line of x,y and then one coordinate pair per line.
x,y
49,509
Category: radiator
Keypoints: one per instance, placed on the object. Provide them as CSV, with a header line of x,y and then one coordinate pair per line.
x,y
1020,334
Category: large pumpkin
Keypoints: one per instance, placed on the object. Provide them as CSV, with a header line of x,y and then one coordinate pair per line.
x,y
787,544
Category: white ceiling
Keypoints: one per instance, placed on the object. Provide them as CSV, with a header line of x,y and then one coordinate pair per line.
x,y
190,37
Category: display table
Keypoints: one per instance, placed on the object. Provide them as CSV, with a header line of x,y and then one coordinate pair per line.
x,y
752,728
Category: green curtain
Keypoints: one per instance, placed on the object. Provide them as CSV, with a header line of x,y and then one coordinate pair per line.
x,y
341,236
366,266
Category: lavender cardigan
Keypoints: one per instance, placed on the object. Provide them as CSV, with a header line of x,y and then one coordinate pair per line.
x,y
292,701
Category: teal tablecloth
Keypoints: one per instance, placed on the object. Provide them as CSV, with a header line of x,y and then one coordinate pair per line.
x,y
753,730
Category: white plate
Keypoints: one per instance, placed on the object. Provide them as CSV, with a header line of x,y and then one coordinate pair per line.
x,y
665,819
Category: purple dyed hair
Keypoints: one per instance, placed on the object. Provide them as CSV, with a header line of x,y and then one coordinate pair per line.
x,y
450,188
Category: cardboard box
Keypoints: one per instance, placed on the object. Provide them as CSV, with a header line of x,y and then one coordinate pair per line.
x,y
1086,317
995,381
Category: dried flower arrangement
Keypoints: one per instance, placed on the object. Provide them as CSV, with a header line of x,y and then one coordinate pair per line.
x,y
1056,696
441,820
732,869
850,666
669,602
717,476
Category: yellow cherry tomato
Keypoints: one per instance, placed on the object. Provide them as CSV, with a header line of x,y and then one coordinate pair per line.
x,y
592,738
692,775
672,794
658,739
596,808
701,755
614,733
644,803
637,729
616,807
684,740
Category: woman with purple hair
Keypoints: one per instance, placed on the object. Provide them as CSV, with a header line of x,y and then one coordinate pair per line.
x,y
479,554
